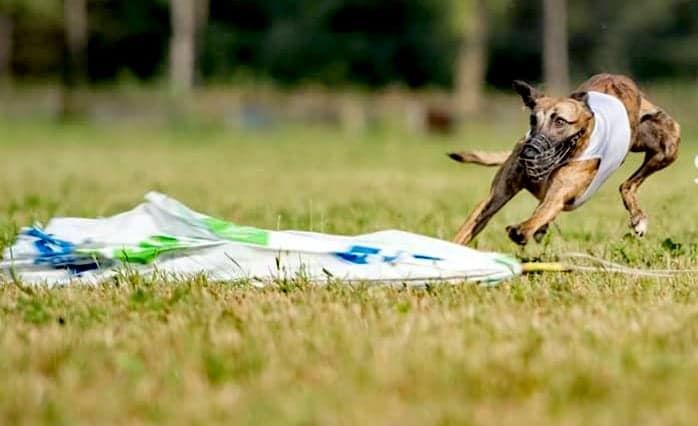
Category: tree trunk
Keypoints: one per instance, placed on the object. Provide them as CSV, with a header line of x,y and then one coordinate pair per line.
x,y
471,62
75,63
6,30
555,53
183,14
202,15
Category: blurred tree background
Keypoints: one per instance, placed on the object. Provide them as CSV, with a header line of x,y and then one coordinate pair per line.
x,y
366,42
460,45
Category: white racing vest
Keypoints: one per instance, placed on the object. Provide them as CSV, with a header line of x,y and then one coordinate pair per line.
x,y
609,141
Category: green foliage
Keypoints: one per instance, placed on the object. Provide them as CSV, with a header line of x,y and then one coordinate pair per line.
x,y
335,41
364,42
648,39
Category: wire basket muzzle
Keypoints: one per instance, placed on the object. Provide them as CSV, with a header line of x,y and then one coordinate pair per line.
x,y
540,156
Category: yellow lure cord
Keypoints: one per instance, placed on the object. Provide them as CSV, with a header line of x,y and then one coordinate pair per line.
x,y
601,265
529,267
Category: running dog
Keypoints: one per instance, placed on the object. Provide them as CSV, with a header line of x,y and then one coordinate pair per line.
x,y
574,144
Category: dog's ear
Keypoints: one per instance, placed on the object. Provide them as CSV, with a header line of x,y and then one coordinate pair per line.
x,y
528,93
582,97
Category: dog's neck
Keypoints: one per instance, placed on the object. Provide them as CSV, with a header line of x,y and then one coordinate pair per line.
x,y
583,142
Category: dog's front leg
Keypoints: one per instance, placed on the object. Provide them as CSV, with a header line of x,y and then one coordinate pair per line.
x,y
507,183
567,183
544,214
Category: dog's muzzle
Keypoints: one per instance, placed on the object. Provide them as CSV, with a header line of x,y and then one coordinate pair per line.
x,y
540,156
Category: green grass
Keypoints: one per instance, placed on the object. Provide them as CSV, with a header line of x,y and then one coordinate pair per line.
x,y
542,349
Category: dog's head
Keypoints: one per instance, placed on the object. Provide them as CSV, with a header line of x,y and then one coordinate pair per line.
x,y
559,128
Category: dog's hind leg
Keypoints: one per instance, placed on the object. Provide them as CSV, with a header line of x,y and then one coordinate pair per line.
x,y
507,183
658,136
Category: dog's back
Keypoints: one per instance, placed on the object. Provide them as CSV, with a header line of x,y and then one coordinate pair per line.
x,y
625,90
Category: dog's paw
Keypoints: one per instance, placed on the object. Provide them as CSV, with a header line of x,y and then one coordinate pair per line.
x,y
516,235
540,233
639,225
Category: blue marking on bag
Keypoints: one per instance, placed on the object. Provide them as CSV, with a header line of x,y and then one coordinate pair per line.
x,y
425,257
358,254
59,254
362,255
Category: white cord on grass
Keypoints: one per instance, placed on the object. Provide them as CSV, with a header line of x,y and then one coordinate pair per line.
x,y
608,266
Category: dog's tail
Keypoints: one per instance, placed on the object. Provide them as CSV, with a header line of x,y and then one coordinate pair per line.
x,y
482,158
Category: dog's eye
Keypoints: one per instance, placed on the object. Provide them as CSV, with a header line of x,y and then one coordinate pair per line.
x,y
559,122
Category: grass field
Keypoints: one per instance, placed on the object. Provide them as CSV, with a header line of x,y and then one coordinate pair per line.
x,y
545,349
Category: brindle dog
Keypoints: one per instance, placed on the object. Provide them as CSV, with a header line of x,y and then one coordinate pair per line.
x,y
652,130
